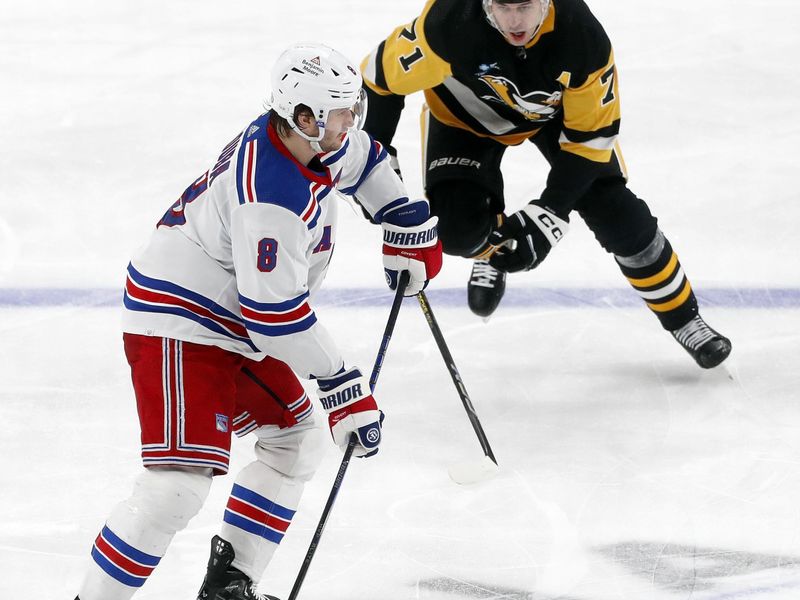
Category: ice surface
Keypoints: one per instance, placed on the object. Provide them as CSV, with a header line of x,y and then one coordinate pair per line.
x,y
626,471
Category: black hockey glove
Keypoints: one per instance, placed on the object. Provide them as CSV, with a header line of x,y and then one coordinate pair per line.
x,y
525,238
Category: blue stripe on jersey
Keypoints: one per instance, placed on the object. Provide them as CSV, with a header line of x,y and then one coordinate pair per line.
x,y
277,328
373,159
273,306
281,330
251,497
321,195
179,311
256,130
339,154
167,287
162,285
277,179
239,171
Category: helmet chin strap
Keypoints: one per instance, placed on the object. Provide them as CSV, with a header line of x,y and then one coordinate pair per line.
x,y
314,141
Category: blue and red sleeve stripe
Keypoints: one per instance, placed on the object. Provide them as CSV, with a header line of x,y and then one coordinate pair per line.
x,y
146,294
280,318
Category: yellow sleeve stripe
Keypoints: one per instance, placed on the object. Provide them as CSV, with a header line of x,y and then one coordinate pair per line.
x,y
659,277
594,154
595,104
675,303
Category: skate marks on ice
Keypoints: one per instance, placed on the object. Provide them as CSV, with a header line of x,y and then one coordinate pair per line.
x,y
703,572
709,573
473,589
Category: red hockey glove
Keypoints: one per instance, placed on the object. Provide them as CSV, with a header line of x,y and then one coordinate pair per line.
x,y
411,243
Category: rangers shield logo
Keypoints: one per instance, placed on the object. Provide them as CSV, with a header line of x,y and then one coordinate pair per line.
x,y
222,423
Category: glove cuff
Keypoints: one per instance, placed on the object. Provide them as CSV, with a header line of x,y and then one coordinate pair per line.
x,y
342,390
423,235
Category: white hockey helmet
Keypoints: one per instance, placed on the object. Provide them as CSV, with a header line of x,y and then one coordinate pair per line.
x,y
318,77
487,8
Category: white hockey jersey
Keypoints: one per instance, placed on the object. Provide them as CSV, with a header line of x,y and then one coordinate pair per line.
x,y
234,262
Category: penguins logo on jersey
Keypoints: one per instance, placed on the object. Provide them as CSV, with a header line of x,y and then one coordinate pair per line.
x,y
535,106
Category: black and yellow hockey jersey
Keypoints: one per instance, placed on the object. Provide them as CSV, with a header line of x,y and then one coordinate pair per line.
x,y
474,80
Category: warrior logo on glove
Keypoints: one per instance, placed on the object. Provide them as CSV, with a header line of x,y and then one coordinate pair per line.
x,y
341,397
351,409
411,243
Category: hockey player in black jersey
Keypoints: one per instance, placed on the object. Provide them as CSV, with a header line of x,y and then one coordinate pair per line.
x,y
496,73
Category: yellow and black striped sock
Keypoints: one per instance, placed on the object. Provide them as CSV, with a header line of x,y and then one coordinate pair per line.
x,y
657,276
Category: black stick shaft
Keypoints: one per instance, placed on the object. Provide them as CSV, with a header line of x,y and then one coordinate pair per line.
x,y
351,444
454,374
387,332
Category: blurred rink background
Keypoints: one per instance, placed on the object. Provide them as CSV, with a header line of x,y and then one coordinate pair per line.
x,y
626,471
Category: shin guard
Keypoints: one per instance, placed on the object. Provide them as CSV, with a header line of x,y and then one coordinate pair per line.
x,y
266,493
139,530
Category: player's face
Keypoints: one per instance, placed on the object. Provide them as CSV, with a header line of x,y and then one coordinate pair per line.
x,y
339,122
518,22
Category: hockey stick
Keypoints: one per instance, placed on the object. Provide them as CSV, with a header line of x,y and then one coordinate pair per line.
x,y
470,471
351,444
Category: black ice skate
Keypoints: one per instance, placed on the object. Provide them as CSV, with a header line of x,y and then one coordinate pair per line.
x,y
707,347
224,582
485,288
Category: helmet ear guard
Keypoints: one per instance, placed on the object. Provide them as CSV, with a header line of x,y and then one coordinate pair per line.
x,y
320,78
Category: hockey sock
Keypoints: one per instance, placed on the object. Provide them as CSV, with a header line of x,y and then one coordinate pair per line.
x,y
657,276
266,492
259,511
139,530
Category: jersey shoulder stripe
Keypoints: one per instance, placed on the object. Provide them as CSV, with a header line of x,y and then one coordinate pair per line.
x,y
318,193
279,318
267,173
146,294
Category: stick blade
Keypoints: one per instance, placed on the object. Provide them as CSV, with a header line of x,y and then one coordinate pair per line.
x,y
473,471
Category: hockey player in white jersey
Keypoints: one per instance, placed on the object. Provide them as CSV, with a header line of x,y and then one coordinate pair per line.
x,y
219,318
